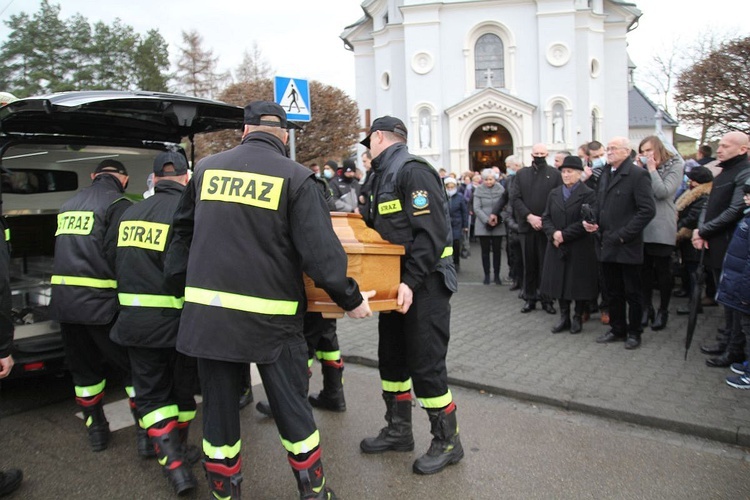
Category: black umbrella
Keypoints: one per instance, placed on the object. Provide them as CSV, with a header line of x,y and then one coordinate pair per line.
x,y
694,305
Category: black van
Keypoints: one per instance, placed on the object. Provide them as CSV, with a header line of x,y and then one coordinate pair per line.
x,y
49,145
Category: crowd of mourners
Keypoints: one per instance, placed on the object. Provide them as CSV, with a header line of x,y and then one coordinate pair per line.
x,y
618,230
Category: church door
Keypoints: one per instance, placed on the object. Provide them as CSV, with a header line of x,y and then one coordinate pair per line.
x,y
489,145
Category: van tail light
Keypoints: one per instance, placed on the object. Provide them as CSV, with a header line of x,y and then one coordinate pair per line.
x,y
32,367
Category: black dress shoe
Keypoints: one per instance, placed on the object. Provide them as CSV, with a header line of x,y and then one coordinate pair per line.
x,y
528,306
608,337
725,360
683,310
563,325
549,308
660,320
680,292
633,341
713,349
515,286
575,324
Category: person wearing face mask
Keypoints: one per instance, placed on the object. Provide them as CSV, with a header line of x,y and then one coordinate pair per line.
x,y
529,198
597,159
345,188
488,229
459,212
503,211
329,170
84,293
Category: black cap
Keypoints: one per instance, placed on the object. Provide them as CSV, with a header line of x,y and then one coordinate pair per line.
x,y
700,174
170,157
386,124
349,166
111,166
257,109
573,162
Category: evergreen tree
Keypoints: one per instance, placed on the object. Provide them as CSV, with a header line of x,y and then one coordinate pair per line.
x,y
151,61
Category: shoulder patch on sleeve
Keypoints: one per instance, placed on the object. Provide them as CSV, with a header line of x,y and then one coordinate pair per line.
x,y
420,199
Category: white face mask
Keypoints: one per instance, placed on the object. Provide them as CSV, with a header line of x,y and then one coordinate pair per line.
x,y
598,162
451,192
328,174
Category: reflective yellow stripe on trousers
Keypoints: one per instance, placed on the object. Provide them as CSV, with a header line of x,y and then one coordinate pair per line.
x,y
81,281
304,446
145,300
239,302
221,452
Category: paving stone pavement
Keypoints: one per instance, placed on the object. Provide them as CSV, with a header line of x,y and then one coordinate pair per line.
x,y
494,347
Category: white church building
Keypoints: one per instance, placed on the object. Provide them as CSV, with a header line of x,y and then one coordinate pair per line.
x,y
478,80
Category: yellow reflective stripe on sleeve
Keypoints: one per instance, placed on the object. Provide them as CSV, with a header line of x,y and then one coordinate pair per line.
x,y
239,302
304,446
447,252
389,386
328,355
186,416
389,207
145,300
143,234
221,452
158,415
81,281
7,235
90,390
247,188
78,223
438,402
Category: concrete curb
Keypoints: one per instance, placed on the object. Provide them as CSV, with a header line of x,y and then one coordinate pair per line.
x,y
735,436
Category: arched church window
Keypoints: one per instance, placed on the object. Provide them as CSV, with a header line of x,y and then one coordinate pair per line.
x,y
489,65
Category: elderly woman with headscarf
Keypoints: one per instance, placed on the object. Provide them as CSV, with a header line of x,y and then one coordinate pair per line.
x,y
570,270
490,233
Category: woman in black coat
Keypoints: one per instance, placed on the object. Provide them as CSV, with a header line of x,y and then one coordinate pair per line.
x,y
459,212
570,266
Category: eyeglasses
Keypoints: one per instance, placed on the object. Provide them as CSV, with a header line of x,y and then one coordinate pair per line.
x,y
614,148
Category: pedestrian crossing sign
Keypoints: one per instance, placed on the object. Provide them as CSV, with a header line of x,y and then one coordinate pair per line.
x,y
293,95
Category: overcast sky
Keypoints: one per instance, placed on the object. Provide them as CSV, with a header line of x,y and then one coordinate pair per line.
x,y
300,38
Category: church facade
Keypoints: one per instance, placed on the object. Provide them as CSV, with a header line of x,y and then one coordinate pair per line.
x,y
478,80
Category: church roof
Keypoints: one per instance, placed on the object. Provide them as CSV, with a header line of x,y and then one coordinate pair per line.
x,y
641,110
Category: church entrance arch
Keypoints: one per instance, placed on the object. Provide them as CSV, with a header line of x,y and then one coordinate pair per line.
x,y
489,144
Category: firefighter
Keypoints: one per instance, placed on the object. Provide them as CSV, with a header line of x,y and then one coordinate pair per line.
x,y
242,234
84,295
409,207
148,321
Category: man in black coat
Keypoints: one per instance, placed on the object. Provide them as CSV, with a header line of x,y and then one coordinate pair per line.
x,y
715,228
528,195
625,204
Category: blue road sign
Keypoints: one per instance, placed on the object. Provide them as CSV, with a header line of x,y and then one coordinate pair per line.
x,y
293,95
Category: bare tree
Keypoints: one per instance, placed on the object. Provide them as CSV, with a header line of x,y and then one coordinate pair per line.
x,y
714,92
253,66
197,72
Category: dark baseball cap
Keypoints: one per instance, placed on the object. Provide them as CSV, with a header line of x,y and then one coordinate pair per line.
x,y
385,124
110,166
257,109
178,161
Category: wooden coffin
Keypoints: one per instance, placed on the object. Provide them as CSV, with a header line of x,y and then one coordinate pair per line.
x,y
373,262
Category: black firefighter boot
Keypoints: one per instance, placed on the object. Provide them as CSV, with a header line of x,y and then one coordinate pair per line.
x,y
332,396
397,435
311,481
96,421
166,443
224,479
445,448
564,323
191,452
142,441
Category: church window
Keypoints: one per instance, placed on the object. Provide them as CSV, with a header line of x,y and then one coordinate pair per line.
x,y
489,65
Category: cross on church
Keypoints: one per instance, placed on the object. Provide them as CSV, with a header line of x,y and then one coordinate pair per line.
x,y
488,77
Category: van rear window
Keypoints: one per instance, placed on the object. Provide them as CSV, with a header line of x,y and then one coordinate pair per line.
x,y
33,181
